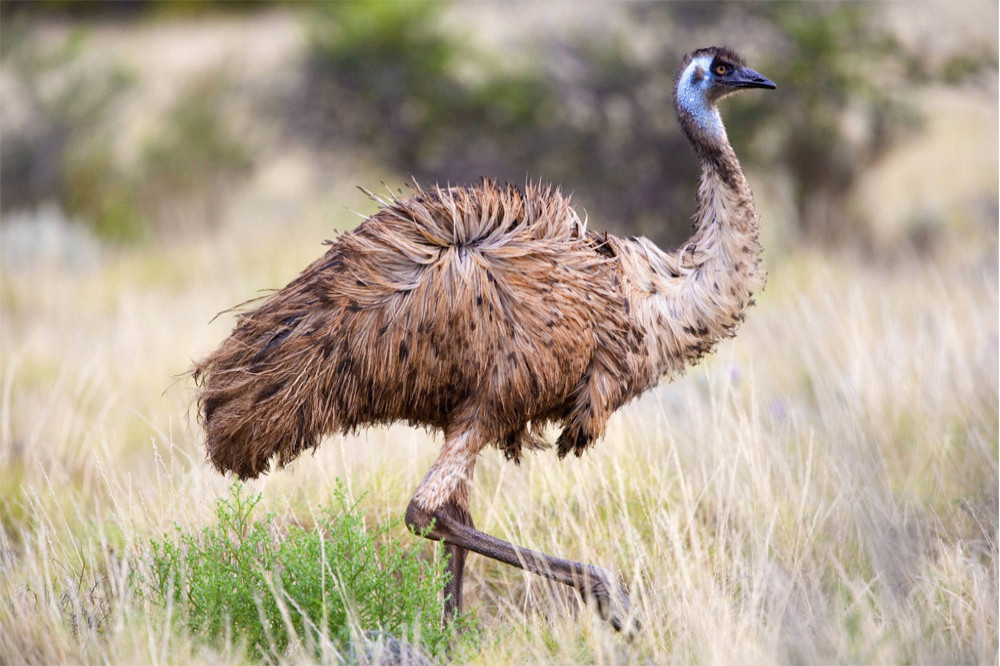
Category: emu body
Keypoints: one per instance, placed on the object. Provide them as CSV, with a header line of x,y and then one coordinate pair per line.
x,y
486,313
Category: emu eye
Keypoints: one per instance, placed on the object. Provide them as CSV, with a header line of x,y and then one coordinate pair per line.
x,y
722,70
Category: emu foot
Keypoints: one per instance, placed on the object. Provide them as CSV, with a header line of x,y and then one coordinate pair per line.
x,y
452,525
601,590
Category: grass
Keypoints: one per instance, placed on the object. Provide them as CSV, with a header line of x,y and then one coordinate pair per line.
x,y
823,489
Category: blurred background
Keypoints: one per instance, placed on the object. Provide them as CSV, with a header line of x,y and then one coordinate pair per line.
x,y
136,122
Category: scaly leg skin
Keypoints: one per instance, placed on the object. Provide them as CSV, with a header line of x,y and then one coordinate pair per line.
x,y
594,584
456,569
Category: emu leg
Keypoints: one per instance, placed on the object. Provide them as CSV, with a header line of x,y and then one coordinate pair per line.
x,y
440,510
594,584
453,588
456,569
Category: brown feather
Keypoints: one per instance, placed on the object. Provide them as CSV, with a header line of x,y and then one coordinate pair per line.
x,y
487,312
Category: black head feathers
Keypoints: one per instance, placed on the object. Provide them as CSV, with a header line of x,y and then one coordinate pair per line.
x,y
717,53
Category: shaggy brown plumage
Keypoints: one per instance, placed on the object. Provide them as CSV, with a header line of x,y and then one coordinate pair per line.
x,y
486,312
485,306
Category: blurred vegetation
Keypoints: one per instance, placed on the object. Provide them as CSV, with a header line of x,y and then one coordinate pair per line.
x,y
187,168
385,76
399,82
67,146
595,112
129,9
63,150
829,75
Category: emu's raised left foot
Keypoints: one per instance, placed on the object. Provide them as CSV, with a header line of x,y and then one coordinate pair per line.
x,y
602,590
595,585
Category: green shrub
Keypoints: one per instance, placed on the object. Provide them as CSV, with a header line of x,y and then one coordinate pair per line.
x,y
188,167
96,188
331,584
393,78
60,145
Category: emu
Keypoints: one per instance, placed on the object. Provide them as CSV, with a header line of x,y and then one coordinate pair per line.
x,y
486,313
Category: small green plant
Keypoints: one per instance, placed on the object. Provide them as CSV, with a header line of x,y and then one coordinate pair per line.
x,y
329,585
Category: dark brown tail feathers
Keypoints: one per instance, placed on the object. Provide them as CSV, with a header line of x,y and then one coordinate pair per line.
x,y
246,421
254,406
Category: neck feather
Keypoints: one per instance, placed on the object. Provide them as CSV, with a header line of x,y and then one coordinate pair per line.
x,y
712,146
695,296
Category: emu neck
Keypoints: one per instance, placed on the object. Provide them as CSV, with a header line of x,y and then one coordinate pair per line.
x,y
703,127
725,204
696,295
690,101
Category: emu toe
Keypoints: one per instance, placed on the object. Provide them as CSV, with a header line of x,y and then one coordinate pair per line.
x,y
610,598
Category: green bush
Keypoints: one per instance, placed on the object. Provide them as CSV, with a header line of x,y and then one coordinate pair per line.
x,y
187,168
62,145
96,188
332,584
394,79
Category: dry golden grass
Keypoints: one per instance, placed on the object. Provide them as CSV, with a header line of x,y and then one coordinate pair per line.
x,y
824,489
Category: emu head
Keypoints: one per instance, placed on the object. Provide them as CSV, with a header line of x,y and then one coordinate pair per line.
x,y
707,76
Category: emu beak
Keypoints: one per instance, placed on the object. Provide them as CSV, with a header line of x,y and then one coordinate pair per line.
x,y
747,78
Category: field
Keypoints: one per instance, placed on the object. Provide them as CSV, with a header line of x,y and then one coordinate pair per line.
x,y
823,489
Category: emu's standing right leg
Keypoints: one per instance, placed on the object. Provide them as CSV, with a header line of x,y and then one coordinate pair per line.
x,y
441,504
453,588
446,489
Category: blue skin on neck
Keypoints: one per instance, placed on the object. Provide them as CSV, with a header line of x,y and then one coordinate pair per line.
x,y
692,96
